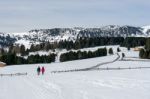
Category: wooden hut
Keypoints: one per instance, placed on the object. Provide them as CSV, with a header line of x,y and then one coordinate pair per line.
x,y
2,64
137,48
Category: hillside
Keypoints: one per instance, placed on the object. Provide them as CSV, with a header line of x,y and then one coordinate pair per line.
x,y
37,36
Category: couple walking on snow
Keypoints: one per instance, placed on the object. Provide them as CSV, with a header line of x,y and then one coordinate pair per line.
x,y
40,70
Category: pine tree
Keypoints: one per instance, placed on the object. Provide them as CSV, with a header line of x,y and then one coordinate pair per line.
x,y
79,55
123,55
147,46
141,53
32,48
110,51
145,56
148,55
10,48
22,50
128,48
118,49
2,51
90,54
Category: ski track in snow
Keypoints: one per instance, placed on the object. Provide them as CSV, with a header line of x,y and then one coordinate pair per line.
x,y
89,68
30,88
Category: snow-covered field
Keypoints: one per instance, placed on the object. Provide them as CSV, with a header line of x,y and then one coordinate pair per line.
x,y
105,84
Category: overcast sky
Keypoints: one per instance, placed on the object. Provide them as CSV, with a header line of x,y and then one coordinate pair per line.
x,y
23,15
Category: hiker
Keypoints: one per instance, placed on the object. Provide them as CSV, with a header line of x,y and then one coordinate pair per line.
x,y
43,70
38,70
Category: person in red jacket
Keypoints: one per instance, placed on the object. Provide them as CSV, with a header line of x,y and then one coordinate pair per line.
x,y
43,70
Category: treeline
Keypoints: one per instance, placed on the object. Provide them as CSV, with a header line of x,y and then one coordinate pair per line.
x,y
145,52
13,59
41,59
133,42
82,55
90,42
80,43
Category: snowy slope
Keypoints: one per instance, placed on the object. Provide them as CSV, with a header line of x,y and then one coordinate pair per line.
x,y
108,84
146,30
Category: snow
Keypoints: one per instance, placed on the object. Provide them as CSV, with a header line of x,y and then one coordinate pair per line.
x,y
40,53
19,33
26,43
145,29
96,84
2,63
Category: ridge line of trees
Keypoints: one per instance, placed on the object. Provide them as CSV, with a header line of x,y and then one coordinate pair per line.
x,y
13,59
82,55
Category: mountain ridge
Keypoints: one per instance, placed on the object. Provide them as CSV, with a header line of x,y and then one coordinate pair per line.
x,y
72,34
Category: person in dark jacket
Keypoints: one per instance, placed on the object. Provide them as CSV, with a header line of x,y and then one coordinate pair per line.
x,y
38,70
43,70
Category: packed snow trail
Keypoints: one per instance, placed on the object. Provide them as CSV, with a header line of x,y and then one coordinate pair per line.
x,y
89,68
98,65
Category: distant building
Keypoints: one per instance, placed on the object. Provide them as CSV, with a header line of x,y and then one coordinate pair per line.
x,y
137,48
2,64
